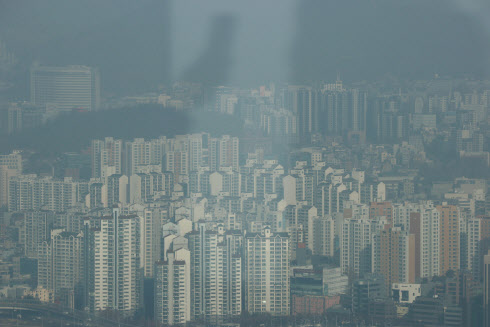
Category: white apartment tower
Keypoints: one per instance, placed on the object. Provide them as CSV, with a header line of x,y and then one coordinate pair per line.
x,y
195,152
173,288
35,229
355,249
323,236
429,242
473,251
223,152
117,189
29,192
115,263
106,157
140,154
216,279
59,261
267,272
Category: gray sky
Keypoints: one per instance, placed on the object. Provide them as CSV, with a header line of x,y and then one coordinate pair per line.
x,y
135,43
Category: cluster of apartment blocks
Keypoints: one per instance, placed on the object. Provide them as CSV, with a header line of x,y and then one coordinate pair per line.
x,y
199,263
179,155
311,206
199,270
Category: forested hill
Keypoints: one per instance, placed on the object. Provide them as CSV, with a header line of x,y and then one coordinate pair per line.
x,y
73,131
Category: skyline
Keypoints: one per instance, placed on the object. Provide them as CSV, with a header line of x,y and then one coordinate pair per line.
x,y
245,163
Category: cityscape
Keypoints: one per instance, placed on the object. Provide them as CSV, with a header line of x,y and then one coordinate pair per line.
x,y
200,201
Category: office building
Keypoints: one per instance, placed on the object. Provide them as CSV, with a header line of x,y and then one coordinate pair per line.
x,y
65,88
427,311
365,290
334,282
308,291
405,293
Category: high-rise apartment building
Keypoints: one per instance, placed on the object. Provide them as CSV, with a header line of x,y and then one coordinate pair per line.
x,y
117,189
35,229
300,224
302,102
140,154
65,88
342,111
21,116
177,163
115,263
195,151
334,282
267,272
449,238
216,273
355,248
30,192
472,251
429,241
223,152
106,157
393,256
10,166
379,209
486,290
146,187
323,236
60,261
97,196
173,288
151,237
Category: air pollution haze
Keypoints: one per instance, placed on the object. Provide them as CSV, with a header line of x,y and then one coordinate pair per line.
x,y
139,44
245,163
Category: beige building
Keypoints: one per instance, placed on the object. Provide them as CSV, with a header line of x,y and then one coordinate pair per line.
x,y
393,256
449,238
10,166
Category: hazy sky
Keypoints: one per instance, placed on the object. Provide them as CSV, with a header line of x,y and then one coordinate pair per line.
x,y
263,35
135,43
